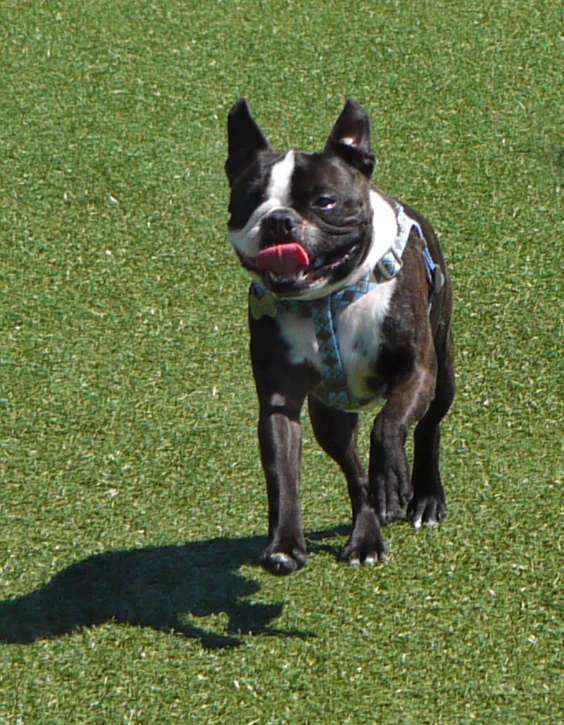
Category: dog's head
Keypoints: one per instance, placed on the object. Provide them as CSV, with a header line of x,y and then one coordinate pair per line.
x,y
301,223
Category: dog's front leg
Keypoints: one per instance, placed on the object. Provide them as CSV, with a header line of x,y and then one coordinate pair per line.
x,y
389,475
280,438
282,386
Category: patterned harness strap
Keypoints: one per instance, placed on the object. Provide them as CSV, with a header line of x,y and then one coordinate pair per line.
x,y
325,312
334,390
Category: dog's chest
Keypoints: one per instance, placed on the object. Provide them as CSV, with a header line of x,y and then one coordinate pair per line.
x,y
359,335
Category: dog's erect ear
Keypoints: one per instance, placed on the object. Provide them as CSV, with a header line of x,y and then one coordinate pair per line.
x,y
244,137
350,138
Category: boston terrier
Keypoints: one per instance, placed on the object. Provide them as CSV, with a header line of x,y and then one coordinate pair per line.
x,y
350,308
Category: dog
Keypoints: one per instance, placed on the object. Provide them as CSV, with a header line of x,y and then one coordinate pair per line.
x,y
350,307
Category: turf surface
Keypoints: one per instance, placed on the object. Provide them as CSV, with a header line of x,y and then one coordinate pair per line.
x,y
132,506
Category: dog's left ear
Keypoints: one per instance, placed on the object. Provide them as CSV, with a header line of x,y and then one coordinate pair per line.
x,y
244,137
350,138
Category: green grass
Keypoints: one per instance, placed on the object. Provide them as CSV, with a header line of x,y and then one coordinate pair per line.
x,y
132,505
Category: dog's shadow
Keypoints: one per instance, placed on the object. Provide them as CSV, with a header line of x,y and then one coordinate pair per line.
x,y
164,588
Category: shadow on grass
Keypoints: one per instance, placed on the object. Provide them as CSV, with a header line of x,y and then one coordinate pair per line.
x,y
159,587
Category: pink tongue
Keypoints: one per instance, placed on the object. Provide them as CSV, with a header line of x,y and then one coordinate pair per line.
x,y
285,260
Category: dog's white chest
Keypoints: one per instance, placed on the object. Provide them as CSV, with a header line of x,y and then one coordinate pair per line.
x,y
359,333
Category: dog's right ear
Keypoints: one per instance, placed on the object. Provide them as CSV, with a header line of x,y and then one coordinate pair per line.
x,y
245,139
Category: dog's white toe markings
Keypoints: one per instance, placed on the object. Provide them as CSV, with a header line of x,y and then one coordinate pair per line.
x,y
418,523
369,561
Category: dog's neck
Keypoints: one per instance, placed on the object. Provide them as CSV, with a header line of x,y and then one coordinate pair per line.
x,y
324,311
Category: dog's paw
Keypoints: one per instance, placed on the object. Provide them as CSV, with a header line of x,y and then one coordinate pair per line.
x,y
391,489
426,510
281,563
389,474
366,545
363,555
392,496
390,512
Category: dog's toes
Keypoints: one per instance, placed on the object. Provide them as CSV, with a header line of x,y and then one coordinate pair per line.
x,y
356,559
364,553
390,513
392,497
366,544
426,511
281,564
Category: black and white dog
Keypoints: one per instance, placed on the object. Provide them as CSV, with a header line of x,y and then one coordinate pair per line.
x,y
350,306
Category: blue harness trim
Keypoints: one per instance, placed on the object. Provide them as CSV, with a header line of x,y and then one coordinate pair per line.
x,y
334,390
324,312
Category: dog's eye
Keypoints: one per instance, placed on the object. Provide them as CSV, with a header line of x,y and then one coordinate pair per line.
x,y
324,202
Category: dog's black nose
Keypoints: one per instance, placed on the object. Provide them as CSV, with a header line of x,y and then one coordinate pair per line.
x,y
280,226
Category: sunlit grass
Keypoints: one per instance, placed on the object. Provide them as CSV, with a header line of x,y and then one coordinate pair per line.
x,y
132,505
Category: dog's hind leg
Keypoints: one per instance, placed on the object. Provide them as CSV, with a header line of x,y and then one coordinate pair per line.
x,y
406,404
428,505
336,433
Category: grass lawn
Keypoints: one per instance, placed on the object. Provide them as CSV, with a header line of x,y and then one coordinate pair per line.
x,y
132,504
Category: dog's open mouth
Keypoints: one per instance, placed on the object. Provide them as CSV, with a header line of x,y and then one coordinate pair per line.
x,y
288,269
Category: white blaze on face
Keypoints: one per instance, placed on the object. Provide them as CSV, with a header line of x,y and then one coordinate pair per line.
x,y
278,196
280,180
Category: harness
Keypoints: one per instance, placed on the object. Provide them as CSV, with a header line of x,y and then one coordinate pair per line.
x,y
334,390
